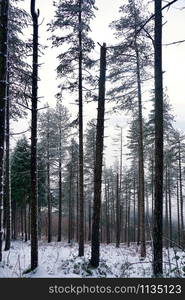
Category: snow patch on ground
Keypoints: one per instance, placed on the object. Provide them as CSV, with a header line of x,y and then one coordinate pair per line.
x,y
60,260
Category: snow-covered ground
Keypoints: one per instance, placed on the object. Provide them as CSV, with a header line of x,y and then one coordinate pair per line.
x,y
61,260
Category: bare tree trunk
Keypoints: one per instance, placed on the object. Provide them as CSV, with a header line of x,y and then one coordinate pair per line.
x,y
178,215
60,201
117,213
7,212
134,235
158,197
141,162
95,250
34,198
181,199
25,222
48,187
170,209
166,211
4,7
81,171
107,217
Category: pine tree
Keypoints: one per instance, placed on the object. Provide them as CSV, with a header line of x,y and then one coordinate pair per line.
x,y
20,179
134,53
75,17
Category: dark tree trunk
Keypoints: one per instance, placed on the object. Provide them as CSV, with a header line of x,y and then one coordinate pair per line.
x,y
48,187
128,216
77,206
178,215
34,199
141,162
29,221
158,197
81,171
134,229
170,210
25,222
95,254
138,216
166,211
181,199
117,213
13,213
107,213
126,213
89,220
4,7
60,199
7,212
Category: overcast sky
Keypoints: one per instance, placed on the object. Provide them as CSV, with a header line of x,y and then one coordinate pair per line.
x,y
173,58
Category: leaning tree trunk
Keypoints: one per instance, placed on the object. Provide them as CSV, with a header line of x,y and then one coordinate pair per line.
x,y
95,247
4,6
158,196
34,199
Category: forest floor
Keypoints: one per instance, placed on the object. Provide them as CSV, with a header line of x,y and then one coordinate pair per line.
x,y
60,260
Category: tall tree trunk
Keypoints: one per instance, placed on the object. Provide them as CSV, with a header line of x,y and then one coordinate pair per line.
x,y
178,215
34,198
25,222
7,172
107,213
117,213
158,197
141,161
77,205
81,171
95,250
170,209
4,7
181,198
134,235
128,227
166,211
60,199
48,186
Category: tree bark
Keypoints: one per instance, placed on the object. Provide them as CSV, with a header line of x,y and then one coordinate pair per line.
x,y
34,198
4,7
158,196
7,212
95,247
81,171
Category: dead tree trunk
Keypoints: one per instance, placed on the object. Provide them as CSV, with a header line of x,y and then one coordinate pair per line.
x,y
158,197
95,250
34,198
4,6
